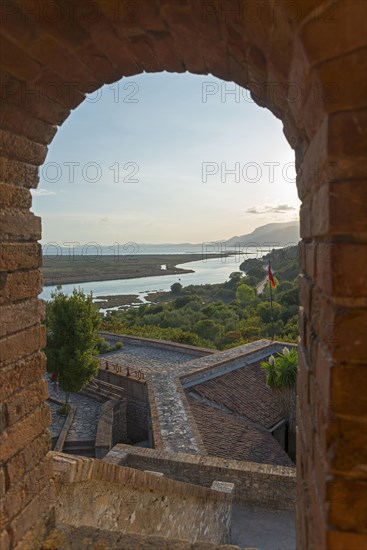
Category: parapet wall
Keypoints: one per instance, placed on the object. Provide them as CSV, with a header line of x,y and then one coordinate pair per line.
x,y
93,493
232,359
66,537
160,344
254,484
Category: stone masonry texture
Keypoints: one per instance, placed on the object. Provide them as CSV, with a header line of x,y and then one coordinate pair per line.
x,y
305,62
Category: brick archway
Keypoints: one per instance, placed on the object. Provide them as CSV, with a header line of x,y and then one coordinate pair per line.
x,y
302,61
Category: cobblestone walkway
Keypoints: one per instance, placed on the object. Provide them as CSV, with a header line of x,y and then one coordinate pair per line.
x,y
148,359
84,426
262,528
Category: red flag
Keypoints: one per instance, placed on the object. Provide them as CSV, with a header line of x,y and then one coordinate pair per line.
x,y
270,277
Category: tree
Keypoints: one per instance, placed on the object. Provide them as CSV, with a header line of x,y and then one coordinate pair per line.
x,y
176,288
265,312
245,294
253,268
73,322
208,329
234,279
235,276
281,376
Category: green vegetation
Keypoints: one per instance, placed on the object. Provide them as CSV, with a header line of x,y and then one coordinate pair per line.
x,y
72,341
63,410
117,300
281,370
223,315
176,288
105,347
281,376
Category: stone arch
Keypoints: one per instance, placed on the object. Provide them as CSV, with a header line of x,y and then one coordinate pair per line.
x,y
302,61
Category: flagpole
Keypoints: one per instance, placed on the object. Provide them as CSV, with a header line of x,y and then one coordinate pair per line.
x,y
271,306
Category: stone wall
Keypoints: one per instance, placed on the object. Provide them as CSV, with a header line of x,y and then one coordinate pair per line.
x,y
137,414
98,494
160,344
137,405
119,427
111,427
66,537
302,60
232,359
255,484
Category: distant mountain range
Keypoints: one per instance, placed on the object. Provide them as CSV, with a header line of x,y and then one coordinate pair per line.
x,y
271,234
277,234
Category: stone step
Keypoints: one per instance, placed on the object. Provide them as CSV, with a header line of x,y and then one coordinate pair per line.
x,y
100,394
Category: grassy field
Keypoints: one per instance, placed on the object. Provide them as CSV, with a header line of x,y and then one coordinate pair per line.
x,y
82,269
117,300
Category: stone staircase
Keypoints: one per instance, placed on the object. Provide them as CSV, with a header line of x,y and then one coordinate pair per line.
x,y
102,391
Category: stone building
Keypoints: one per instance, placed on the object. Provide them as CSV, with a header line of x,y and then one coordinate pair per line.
x,y
190,399
305,61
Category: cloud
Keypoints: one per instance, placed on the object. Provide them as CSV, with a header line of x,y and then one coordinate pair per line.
x,y
41,192
270,209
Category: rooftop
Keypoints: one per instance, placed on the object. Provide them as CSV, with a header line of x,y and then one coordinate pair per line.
x,y
243,392
205,402
229,436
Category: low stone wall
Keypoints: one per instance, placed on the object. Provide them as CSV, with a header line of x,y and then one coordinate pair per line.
x,y
255,484
97,494
161,344
66,537
232,359
64,432
155,427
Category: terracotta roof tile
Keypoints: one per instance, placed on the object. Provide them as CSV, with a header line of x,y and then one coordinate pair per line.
x,y
226,435
244,392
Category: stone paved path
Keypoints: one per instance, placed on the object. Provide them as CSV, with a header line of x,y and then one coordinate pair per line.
x,y
262,528
148,359
84,426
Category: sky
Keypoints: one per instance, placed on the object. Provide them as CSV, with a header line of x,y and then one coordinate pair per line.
x,y
165,158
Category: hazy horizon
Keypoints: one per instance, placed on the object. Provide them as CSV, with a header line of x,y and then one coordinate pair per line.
x,y
149,160
102,245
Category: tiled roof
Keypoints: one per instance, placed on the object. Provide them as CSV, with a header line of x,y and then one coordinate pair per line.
x,y
226,435
244,392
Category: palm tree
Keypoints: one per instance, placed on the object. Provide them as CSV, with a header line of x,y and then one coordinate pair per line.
x,y
281,376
